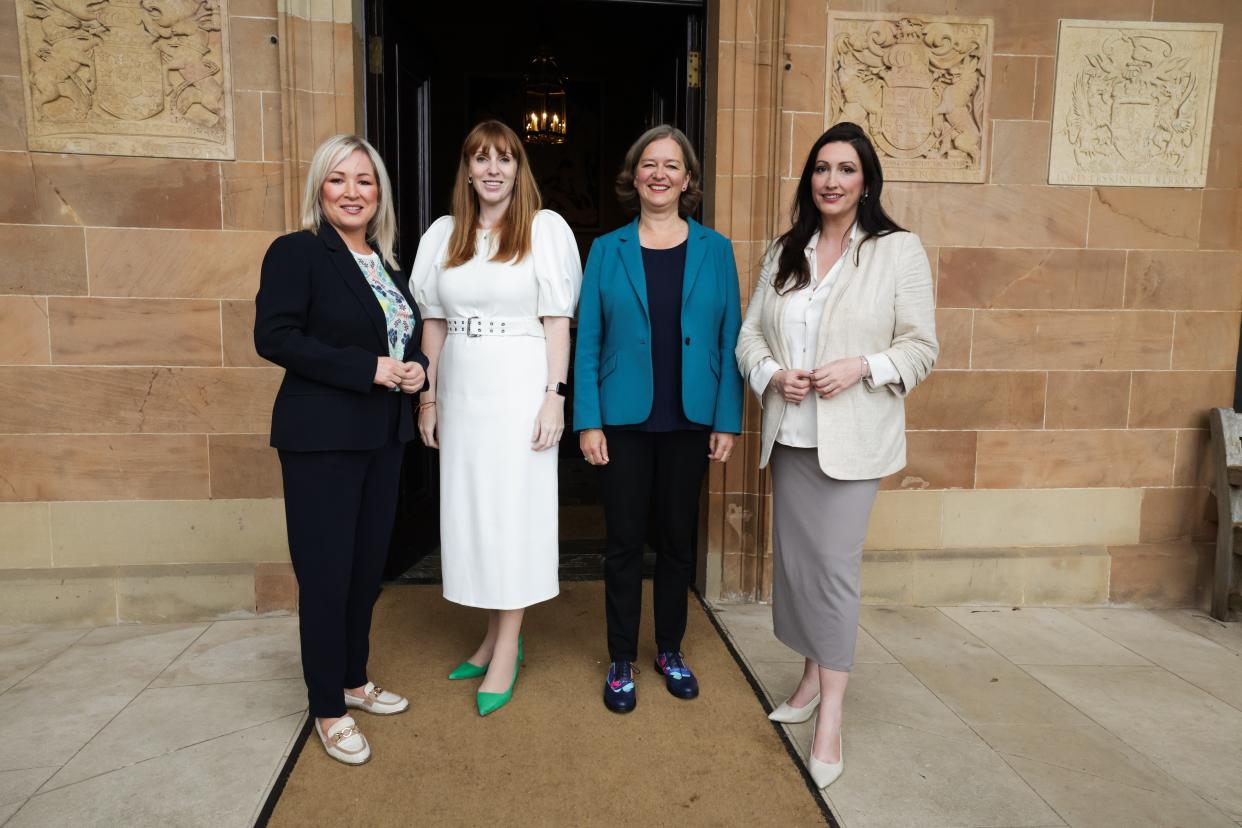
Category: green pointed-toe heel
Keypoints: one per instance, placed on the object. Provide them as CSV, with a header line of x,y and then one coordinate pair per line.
x,y
469,670
491,702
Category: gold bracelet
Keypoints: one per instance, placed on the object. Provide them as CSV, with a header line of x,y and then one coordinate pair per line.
x,y
423,405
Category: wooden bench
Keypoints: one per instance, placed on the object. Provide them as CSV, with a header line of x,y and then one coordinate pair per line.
x,y
1227,449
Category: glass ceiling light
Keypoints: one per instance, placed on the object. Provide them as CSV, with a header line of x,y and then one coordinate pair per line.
x,y
545,101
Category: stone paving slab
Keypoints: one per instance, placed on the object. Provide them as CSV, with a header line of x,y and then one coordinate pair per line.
x,y
121,750
966,717
163,720
86,685
213,784
1189,733
21,653
1081,717
1204,663
257,649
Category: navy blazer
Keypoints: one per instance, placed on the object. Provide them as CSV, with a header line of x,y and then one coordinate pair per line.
x,y
612,360
317,317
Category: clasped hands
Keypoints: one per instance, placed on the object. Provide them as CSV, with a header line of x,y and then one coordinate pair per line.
x,y
828,380
408,376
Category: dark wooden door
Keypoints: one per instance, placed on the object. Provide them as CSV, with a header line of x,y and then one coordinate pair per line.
x,y
419,61
397,124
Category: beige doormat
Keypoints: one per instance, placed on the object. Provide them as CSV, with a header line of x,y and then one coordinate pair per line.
x,y
554,755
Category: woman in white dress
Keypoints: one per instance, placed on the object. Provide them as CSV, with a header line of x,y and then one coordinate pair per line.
x,y
496,282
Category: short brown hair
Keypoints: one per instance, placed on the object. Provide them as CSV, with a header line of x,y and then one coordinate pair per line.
x,y
626,192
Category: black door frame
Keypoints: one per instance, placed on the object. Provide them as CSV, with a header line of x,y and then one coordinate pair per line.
x,y
392,81
397,102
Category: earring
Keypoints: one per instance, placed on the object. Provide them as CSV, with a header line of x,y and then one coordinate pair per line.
x,y
864,196
469,179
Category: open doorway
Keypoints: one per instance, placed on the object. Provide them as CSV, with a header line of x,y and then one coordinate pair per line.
x,y
433,71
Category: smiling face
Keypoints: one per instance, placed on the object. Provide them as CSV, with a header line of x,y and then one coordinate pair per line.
x,y
661,177
493,170
350,195
837,180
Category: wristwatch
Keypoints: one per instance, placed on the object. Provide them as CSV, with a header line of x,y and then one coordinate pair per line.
x,y
558,387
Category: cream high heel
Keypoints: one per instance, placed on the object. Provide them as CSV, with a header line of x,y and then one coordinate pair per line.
x,y
825,773
787,714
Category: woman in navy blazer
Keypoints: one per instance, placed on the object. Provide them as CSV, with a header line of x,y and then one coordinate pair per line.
x,y
334,311
655,394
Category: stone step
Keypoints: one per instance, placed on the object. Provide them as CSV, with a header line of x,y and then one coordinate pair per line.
x,y
1146,575
1161,575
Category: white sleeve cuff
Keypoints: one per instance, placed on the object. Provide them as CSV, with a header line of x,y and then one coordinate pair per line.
x,y
883,371
761,375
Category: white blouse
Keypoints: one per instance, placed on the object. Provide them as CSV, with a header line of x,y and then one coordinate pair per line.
x,y
804,311
545,283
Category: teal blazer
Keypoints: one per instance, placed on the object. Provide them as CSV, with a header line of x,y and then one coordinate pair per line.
x,y
612,360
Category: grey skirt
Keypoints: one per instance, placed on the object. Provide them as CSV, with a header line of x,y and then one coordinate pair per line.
x,y
818,528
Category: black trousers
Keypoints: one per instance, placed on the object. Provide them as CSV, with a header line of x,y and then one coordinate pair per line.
x,y
339,507
652,481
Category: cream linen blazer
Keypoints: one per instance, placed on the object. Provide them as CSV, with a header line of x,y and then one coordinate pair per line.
x,y
882,304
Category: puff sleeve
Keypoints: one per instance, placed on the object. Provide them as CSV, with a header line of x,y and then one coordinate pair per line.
x,y
428,264
558,269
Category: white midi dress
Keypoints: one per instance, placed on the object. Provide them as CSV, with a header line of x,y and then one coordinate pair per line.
x,y
498,497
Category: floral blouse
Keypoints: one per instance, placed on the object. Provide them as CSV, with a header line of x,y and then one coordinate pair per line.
x,y
397,312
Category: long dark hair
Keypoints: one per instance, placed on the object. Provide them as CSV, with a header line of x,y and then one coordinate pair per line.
x,y
872,220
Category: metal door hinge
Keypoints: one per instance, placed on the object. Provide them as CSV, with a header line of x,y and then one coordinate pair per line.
x,y
375,55
694,70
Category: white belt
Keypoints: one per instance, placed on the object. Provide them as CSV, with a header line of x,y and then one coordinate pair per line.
x,y
496,326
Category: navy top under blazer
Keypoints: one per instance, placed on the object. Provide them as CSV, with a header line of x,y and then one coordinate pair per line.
x,y
666,273
316,317
613,376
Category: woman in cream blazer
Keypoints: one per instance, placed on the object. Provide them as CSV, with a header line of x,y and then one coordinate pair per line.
x,y
839,329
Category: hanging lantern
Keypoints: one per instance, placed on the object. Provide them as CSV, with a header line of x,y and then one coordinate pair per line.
x,y
545,102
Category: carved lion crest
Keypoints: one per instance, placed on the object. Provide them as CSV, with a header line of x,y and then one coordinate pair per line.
x,y
918,86
128,77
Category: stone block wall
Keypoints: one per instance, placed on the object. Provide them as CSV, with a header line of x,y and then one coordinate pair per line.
x,y
136,483
1057,455
1058,452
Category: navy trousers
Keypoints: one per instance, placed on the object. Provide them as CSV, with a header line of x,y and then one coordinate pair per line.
x,y
650,489
339,507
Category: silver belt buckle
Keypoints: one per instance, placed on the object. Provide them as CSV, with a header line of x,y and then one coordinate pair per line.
x,y
471,329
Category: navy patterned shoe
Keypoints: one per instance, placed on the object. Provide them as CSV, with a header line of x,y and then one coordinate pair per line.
x,y
677,676
619,694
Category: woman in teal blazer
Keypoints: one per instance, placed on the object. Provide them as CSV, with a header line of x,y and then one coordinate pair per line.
x,y
656,395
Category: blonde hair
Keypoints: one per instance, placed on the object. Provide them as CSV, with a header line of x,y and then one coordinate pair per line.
x,y
514,231
382,228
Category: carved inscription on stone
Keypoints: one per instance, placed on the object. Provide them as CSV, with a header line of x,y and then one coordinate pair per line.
x,y
918,84
1133,103
127,77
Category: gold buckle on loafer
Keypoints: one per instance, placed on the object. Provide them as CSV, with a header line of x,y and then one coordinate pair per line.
x,y
342,735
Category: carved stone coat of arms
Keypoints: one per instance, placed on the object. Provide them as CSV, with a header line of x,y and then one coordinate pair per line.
x,y
1133,103
918,85
127,77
